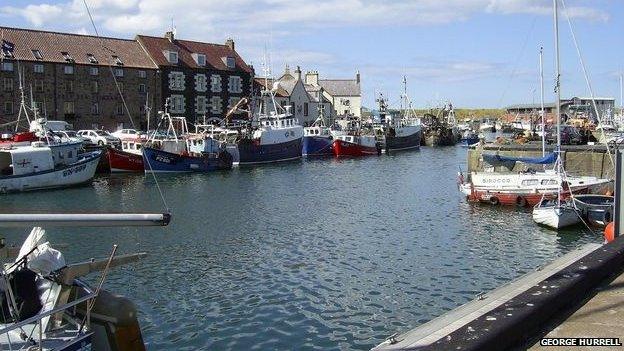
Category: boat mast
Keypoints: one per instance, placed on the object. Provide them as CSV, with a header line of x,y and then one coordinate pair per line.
x,y
558,100
541,62
621,95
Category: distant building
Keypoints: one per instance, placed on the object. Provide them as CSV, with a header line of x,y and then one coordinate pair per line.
x,y
570,107
345,95
200,79
77,78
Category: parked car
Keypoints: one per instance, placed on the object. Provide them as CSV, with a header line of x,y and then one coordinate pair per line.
x,y
99,137
66,136
569,136
129,134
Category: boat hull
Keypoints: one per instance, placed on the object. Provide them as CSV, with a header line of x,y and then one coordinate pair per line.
x,y
317,146
78,173
407,142
439,137
122,161
555,217
469,141
251,152
345,148
155,160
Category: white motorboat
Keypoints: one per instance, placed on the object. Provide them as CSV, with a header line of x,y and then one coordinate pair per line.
x,y
555,214
41,166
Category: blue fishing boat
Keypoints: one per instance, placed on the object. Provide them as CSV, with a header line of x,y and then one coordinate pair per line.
x,y
317,138
468,138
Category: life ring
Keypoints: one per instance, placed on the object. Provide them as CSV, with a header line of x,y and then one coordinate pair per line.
x,y
494,200
521,201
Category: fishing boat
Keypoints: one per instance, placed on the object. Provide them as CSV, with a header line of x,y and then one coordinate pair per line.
x,y
597,210
487,126
128,159
277,137
436,132
356,145
469,137
399,133
40,166
317,138
184,152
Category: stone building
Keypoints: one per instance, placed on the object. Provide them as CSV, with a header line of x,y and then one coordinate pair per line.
x,y
199,79
77,78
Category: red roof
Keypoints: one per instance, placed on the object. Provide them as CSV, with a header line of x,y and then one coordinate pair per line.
x,y
186,48
52,44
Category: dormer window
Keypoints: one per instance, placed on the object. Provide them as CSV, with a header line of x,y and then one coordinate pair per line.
x,y
200,59
92,58
117,60
229,61
37,54
172,56
67,56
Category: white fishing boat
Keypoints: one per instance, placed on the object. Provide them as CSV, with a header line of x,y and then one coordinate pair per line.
x,y
557,213
41,166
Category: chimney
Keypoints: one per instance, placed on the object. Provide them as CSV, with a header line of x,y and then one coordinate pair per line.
x,y
357,76
298,73
230,44
170,36
287,70
311,78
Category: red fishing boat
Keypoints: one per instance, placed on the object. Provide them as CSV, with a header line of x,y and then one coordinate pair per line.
x,y
128,159
356,145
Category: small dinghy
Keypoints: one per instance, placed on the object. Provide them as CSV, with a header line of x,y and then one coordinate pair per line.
x,y
555,214
596,209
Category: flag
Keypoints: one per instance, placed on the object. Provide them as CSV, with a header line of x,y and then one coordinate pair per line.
x,y
8,47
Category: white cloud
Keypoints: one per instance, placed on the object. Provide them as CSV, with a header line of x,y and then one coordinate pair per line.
x,y
544,7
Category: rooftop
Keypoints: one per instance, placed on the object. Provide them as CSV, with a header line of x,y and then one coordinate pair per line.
x,y
80,49
341,87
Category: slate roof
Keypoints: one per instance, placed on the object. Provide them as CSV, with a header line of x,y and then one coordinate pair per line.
x,y
341,87
185,49
51,44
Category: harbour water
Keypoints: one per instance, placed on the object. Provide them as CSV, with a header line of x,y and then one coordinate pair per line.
x,y
322,254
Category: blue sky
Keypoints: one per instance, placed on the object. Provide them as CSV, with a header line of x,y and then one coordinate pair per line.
x,y
475,53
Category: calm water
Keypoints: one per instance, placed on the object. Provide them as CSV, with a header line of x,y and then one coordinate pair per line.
x,y
323,254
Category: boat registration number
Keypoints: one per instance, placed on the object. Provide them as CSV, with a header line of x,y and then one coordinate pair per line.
x,y
77,169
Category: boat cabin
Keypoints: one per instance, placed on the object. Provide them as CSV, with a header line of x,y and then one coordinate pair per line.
x,y
132,146
25,160
202,145
316,132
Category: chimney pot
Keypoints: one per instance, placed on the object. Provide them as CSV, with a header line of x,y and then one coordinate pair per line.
x,y
170,36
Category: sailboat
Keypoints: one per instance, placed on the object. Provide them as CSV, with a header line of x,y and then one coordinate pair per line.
x,y
556,213
46,303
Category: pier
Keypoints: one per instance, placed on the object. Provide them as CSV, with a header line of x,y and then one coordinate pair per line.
x,y
582,160
517,315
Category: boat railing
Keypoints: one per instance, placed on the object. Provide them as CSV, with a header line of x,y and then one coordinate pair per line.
x,y
40,316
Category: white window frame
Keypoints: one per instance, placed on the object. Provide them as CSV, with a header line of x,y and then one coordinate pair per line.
x,y
235,84
7,66
38,68
68,69
216,86
178,103
201,83
94,71
216,105
177,81
201,104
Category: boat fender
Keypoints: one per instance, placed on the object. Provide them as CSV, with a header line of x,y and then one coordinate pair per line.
x,y
609,233
494,200
521,201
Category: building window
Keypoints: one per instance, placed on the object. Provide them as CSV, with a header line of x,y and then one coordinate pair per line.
x,y
68,69
8,84
8,107
216,105
142,88
201,82
38,68
68,107
95,88
92,58
142,74
200,59
117,60
176,81
232,102
69,86
229,61
171,56
305,109
94,71
67,56
7,66
235,85
37,54
178,104
39,85
215,83
95,109
120,110
119,72
200,104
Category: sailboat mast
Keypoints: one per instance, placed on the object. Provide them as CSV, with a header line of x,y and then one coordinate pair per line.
x,y
621,95
558,99
541,62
